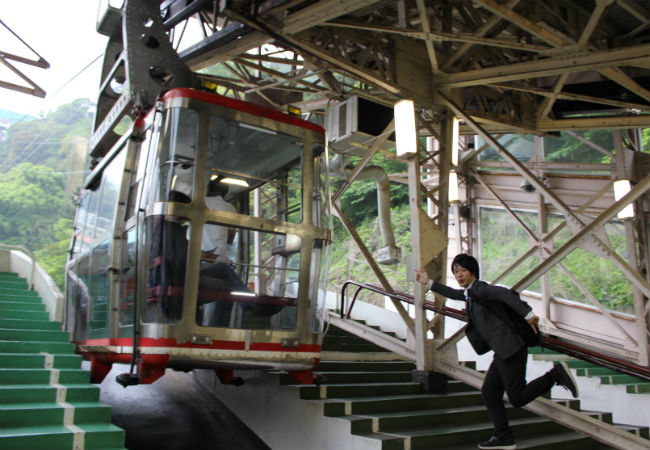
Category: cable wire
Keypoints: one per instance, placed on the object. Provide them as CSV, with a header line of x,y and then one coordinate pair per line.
x,y
18,158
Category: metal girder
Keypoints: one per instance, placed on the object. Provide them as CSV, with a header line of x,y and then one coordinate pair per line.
x,y
6,58
583,234
146,65
596,16
538,52
594,123
539,245
558,40
557,65
320,12
570,96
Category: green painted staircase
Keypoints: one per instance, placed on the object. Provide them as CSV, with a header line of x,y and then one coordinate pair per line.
x,y
46,399
633,385
381,402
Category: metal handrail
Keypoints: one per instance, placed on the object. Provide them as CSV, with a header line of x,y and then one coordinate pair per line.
x,y
546,341
28,253
401,296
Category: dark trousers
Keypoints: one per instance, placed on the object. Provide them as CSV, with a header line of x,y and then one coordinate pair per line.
x,y
509,375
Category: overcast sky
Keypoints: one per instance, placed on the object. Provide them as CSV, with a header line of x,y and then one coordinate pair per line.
x,y
63,33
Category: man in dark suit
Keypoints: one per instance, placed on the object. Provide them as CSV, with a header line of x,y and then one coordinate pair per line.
x,y
507,372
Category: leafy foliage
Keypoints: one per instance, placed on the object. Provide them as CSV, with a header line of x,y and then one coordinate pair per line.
x,y
31,198
359,201
52,257
567,148
40,141
43,163
504,241
348,263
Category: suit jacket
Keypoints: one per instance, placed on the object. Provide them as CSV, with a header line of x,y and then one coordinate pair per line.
x,y
490,325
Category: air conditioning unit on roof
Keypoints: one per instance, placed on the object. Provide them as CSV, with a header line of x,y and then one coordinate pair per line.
x,y
354,124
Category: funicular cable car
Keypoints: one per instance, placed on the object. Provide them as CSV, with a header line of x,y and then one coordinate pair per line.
x,y
201,242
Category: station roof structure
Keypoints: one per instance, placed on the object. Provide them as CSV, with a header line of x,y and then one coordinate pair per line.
x,y
529,67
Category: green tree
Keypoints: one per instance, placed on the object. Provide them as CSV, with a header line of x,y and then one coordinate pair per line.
x,y
41,141
360,200
567,148
43,163
52,257
31,201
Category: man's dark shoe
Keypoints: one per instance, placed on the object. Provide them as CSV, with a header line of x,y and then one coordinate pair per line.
x,y
565,379
501,443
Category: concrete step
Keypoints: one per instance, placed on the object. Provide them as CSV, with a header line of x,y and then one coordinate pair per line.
x,y
48,414
27,335
13,283
18,376
330,378
364,366
41,324
443,436
15,346
95,436
43,393
26,315
560,441
388,422
358,390
11,290
39,361
399,403
46,400
633,385
17,305
380,403
352,347
21,296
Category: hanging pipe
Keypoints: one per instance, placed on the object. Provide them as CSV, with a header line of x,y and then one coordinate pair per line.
x,y
388,253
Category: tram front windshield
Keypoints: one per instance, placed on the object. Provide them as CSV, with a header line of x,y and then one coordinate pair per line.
x,y
250,179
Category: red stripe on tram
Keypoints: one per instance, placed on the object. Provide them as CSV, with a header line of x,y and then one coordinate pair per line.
x,y
165,342
216,344
240,105
277,347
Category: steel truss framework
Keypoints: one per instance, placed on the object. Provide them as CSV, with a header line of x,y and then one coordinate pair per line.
x,y
534,67
8,59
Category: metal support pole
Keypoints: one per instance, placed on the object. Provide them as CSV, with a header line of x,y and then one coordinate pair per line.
x,y
623,172
422,359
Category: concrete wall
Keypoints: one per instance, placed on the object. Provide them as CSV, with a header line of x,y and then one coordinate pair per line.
x,y
18,262
278,416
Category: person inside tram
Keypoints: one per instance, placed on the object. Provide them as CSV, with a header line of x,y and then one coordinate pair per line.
x,y
168,257
216,273
182,181
217,239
